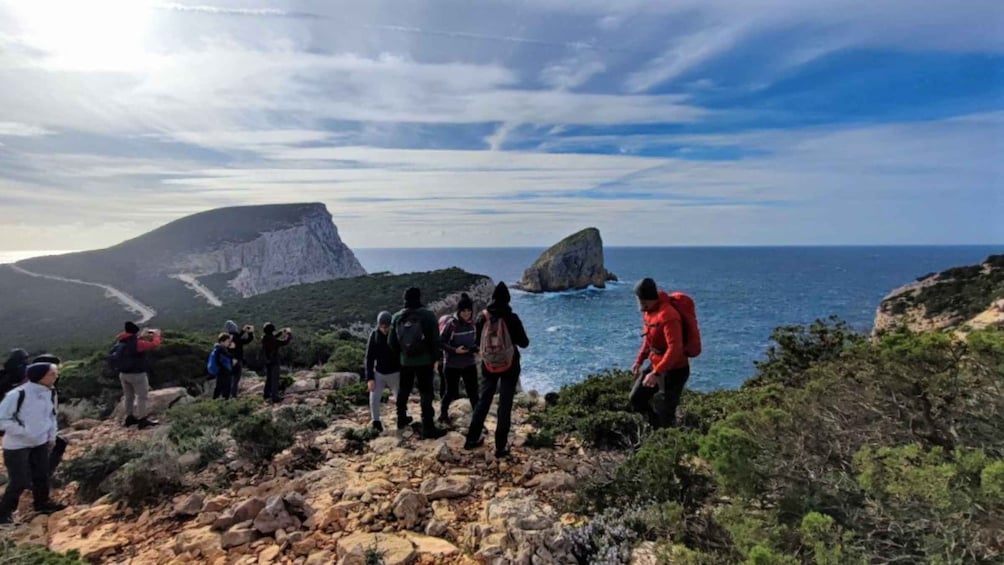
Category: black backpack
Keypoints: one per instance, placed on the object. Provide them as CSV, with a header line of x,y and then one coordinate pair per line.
x,y
20,402
410,334
124,356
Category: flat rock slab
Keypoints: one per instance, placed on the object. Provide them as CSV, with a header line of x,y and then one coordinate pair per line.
x,y
395,550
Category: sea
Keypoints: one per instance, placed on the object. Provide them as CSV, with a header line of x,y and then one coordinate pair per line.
x,y
742,294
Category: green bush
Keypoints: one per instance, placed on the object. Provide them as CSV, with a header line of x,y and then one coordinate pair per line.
x,y
543,439
356,394
92,469
13,554
259,437
596,410
153,477
348,356
189,422
299,417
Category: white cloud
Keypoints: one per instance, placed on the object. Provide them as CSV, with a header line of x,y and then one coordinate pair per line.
x,y
17,129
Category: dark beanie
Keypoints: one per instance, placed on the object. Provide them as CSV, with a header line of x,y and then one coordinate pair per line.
x,y
465,303
412,298
131,328
268,328
646,289
47,358
37,371
384,318
501,296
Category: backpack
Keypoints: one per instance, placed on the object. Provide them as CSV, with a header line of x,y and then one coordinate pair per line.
x,y
213,364
20,402
497,350
410,334
124,356
685,306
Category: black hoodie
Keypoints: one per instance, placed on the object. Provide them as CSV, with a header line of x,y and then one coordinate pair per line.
x,y
499,307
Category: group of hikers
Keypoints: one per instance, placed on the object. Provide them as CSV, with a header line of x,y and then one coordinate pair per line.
x,y
405,351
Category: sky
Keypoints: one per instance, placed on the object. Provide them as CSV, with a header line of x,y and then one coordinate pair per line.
x,y
436,123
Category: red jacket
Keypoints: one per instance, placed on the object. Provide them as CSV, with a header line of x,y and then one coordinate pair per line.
x,y
663,338
142,345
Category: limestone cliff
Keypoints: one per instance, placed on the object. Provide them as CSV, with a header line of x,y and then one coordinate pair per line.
x,y
574,263
962,298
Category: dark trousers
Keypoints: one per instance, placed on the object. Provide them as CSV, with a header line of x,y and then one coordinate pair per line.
x,y
272,381
26,468
505,383
235,378
453,377
660,413
223,385
56,454
422,377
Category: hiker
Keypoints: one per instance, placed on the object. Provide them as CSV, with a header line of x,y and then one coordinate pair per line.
x,y
667,318
57,451
499,334
440,363
28,420
414,335
241,337
128,357
459,342
383,367
270,345
221,365
12,374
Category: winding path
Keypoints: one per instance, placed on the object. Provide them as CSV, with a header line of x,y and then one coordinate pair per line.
x,y
193,283
128,302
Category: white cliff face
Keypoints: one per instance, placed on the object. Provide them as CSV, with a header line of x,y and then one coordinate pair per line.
x,y
307,252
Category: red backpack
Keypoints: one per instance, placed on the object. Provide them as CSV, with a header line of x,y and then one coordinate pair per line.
x,y
497,350
688,317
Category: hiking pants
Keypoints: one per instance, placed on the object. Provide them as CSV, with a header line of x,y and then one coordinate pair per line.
x,y
505,383
272,381
422,376
26,468
224,384
56,454
136,387
381,380
235,378
663,413
453,378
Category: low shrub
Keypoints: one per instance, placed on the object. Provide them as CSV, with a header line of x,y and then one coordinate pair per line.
x,y
596,410
259,437
13,554
207,417
92,469
300,417
543,439
151,478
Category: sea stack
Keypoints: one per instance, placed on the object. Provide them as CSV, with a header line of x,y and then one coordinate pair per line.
x,y
574,263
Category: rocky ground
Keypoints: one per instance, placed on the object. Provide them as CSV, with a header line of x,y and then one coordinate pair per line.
x,y
406,499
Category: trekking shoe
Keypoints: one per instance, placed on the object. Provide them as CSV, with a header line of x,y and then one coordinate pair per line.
x,y
144,423
50,508
403,424
469,445
130,421
434,433
377,425
444,419
502,453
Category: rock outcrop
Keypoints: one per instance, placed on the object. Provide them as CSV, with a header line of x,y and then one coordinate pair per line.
x,y
574,263
962,299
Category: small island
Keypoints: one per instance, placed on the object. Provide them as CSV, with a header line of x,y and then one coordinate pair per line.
x,y
574,263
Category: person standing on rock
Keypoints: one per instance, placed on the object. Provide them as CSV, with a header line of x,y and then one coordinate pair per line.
x,y
221,365
12,374
383,367
128,357
414,335
240,337
459,340
270,345
28,420
500,335
668,320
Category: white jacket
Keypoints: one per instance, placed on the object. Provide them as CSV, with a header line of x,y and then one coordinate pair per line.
x,y
35,424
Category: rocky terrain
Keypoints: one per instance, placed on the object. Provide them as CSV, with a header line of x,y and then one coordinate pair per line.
x,y
396,496
574,263
963,298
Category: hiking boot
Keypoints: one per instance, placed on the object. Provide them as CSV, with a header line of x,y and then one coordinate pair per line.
x,y
50,508
433,433
402,424
145,423
469,445
130,421
377,425
445,419
502,453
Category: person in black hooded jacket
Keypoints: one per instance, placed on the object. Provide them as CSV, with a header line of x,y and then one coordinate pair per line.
x,y
505,382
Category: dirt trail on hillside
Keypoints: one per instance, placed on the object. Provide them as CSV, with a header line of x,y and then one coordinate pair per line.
x,y
130,303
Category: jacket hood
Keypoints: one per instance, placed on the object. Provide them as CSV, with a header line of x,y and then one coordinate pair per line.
x,y
413,298
230,327
500,299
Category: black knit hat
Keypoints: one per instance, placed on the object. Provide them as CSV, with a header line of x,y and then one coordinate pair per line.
x,y
465,303
37,371
646,289
412,297
131,328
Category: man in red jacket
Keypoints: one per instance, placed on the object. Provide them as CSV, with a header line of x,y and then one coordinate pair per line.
x,y
662,346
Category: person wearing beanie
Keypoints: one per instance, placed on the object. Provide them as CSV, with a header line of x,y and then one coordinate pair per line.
x,y
28,420
506,336
59,448
459,341
668,368
13,370
239,338
383,367
414,336
271,342
130,361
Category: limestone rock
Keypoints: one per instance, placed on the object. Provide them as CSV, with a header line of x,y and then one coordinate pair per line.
x,y
337,380
524,530
455,486
574,263
433,546
396,550
559,480
268,556
237,536
190,505
319,558
274,516
158,401
249,509
198,541
302,385
408,508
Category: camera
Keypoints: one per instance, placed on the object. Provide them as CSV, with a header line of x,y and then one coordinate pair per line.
x,y
249,328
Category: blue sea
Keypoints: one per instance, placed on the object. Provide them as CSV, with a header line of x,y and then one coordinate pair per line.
x,y
742,294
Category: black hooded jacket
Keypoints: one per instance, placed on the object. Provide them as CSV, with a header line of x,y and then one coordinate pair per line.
x,y
499,307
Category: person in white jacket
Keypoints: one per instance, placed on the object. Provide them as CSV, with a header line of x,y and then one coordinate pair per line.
x,y
28,421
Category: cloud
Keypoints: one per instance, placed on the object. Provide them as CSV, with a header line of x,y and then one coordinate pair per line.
x,y
16,129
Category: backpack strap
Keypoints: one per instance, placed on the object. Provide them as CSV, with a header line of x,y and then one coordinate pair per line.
x,y
17,411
